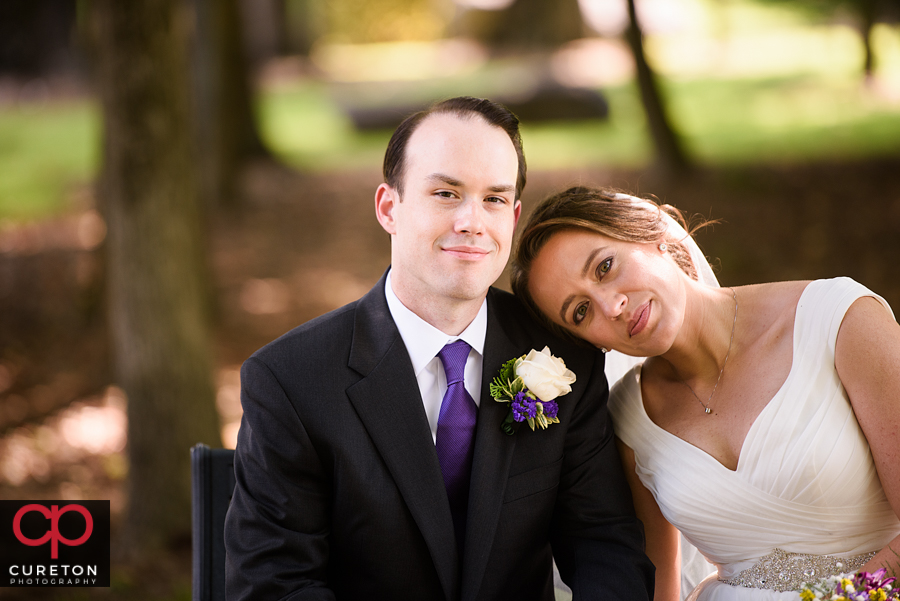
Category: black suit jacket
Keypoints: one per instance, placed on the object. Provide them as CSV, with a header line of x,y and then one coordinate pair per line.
x,y
339,492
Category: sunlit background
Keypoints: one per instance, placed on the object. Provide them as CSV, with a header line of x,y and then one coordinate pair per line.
x,y
745,80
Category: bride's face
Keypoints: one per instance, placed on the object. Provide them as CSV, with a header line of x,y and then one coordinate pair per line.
x,y
625,296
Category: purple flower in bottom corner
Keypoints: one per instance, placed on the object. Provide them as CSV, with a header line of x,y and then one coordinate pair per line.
x,y
523,407
550,408
874,580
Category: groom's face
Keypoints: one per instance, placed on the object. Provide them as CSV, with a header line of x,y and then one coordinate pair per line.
x,y
452,227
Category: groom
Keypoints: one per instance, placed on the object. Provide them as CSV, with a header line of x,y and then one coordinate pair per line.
x,y
370,462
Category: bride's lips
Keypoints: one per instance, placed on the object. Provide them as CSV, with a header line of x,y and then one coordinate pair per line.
x,y
466,253
639,320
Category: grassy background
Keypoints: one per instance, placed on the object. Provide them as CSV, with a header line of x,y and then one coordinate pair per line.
x,y
747,83
49,152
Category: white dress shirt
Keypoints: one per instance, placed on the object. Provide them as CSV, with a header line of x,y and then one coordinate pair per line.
x,y
424,341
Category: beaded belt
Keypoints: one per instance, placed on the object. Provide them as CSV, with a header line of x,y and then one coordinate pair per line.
x,y
783,571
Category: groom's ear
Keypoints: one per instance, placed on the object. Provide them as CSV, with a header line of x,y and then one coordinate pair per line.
x,y
386,198
518,212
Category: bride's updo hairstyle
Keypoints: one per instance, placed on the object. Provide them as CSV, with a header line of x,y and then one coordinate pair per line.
x,y
602,211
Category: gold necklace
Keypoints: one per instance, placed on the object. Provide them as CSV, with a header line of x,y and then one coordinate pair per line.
x,y
706,408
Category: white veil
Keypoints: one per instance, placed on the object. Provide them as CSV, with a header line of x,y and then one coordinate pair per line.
x,y
694,567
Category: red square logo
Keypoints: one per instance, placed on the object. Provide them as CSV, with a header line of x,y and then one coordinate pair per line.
x,y
54,543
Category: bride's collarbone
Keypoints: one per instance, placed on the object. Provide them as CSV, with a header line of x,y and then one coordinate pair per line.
x,y
719,433
758,366
753,377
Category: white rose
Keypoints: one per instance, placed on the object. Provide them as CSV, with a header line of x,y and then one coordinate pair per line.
x,y
544,375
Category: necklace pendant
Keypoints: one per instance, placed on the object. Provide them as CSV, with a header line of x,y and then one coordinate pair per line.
x,y
708,410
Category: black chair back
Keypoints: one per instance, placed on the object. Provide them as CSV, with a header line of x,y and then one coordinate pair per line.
x,y
212,484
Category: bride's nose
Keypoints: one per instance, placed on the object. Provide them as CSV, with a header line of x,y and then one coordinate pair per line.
x,y
611,304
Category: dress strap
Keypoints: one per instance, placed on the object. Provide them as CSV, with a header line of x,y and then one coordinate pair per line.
x,y
783,571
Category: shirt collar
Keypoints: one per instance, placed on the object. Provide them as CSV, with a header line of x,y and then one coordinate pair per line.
x,y
424,341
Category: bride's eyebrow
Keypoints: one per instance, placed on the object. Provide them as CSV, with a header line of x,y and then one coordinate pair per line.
x,y
590,259
565,307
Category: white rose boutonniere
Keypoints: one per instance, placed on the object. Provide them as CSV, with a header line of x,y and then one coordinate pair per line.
x,y
545,375
530,385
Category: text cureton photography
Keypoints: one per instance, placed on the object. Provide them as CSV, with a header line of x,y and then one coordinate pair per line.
x,y
54,543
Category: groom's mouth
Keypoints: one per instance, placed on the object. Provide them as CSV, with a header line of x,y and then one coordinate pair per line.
x,y
466,253
639,320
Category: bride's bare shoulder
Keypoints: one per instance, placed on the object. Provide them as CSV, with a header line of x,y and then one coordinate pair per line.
x,y
772,303
773,293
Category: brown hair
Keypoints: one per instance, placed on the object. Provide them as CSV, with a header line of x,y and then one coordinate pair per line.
x,y
602,211
463,106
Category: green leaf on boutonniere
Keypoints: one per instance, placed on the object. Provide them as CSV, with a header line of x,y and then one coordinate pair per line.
x,y
508,371
506,385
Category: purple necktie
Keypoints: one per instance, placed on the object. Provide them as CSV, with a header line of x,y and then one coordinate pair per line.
x,y
455,441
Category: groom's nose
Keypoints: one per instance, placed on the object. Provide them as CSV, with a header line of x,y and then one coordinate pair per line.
x,y
470,217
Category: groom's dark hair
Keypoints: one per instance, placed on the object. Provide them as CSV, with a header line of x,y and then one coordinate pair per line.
x,y
462,106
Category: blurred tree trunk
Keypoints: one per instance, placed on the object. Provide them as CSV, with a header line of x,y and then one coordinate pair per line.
x,y
226,124
160,332
302,25
868,12
528,25
670,156
264,29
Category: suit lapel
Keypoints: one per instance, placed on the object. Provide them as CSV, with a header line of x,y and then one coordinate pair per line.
x,y
388,402
493,456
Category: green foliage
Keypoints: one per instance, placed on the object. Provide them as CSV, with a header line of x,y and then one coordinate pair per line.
x,y
309,131
46,152
507,385
620,141
541,419
820,9
797,118
724,121
366,21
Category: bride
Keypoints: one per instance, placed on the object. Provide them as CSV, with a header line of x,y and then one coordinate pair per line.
x,y
765,423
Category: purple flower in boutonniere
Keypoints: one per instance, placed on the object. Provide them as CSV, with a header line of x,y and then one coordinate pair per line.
x,y
523,407
551,408
529,384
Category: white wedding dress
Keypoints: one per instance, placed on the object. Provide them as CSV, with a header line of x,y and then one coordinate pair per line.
x,y
805,482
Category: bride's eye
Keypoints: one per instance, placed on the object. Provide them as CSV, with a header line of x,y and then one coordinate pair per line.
x,y
603,268
580,312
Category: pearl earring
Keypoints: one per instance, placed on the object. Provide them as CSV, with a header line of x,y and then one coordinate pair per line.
x,y
603,349
663,247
